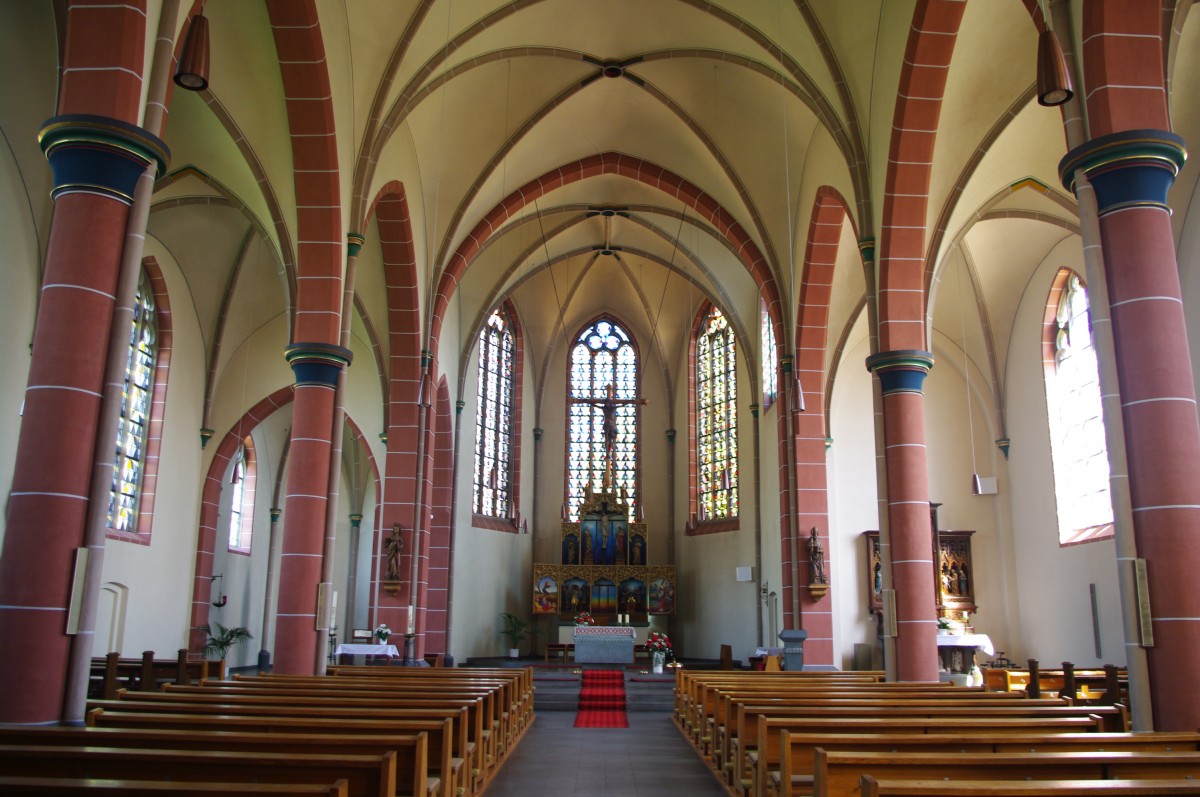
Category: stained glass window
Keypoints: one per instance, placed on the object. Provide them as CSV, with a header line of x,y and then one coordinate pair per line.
x,y
716,419
129,460
1077,440
770,375
492,493
602,422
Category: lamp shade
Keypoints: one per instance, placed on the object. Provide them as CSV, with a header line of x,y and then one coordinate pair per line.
x,y
192,72
1053,80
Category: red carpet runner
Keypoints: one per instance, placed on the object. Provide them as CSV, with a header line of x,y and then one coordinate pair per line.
x,y
602,700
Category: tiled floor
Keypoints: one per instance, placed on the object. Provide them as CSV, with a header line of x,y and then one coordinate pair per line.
x,y
648,759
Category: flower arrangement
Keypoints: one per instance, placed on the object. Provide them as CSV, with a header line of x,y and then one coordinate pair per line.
x,y
658,643
584,618
382,633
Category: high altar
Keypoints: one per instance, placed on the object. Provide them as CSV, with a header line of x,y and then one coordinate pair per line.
x,y
602,568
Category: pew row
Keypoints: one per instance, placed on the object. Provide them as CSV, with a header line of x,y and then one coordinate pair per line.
x,y
410,752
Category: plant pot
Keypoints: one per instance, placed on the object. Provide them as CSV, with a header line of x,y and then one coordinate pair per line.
x,y
514,653
657,659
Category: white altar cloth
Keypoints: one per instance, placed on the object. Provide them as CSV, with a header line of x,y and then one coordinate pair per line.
x,y
367,650
978,641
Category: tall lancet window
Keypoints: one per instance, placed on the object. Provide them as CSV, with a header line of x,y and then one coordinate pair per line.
x,y
716,418
602,414
1077,441
130,461
492,495
770,370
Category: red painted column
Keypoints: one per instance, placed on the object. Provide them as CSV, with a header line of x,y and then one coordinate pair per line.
x,y
96,163
1131,173
316,366
902,375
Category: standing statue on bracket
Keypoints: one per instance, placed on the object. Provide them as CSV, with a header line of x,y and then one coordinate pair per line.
x,y
391,548
816,559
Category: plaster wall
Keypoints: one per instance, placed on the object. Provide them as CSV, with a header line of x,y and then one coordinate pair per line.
x,y
1053,622
852,498
158,575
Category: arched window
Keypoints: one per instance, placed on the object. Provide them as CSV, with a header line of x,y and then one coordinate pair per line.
x,y
1077,441
243,479
602,412
716,418
770,373
492,494
130,457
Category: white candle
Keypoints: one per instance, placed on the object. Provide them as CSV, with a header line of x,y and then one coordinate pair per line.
x,y
412,619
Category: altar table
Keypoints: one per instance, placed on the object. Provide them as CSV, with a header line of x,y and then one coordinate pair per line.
x,y
612,644
367,650
956,653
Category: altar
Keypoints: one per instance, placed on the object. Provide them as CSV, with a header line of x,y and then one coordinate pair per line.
x,y
604,644
956,655
391,651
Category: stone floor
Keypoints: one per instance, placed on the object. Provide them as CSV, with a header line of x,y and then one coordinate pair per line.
x,y
650,758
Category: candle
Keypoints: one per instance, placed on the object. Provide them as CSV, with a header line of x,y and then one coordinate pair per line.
x,y
412,619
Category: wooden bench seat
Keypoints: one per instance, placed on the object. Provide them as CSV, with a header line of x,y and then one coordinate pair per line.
x,y
440,733
69,787
838,773
147,674
365,775
872,787
743,730
473,742
785,758
409,752
935,726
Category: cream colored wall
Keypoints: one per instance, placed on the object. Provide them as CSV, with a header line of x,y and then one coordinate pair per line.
x,y
949,433
1054,621
712,607
159,575
20,266
492,569
770,574
852,498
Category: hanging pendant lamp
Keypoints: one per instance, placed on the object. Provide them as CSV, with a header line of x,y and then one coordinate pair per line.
x,y
192,72
1053,80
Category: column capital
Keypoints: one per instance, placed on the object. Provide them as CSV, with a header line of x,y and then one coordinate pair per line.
x,y
901,371
354,243
356,519
1133,168
98,155
317,363
866,248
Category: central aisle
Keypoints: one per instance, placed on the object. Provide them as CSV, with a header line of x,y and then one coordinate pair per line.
x,y
648,759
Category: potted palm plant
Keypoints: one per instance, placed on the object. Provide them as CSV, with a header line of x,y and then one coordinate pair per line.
x,y
221,639
514,629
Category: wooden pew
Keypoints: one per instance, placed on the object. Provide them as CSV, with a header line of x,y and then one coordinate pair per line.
x,y
472,743
946,728
440,733
68,787
364,775
514,688
486,741
410,752
786,758
743,730
837,773
147,674
516,683
872,787
728,720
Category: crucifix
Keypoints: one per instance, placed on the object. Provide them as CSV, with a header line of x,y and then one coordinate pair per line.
x,y
608,408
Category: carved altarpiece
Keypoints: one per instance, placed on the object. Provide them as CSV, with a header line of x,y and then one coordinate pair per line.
x,y
603,567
